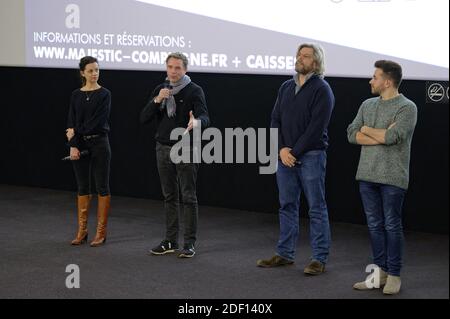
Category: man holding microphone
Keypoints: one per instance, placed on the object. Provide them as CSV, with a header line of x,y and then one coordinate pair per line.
x,y
179,103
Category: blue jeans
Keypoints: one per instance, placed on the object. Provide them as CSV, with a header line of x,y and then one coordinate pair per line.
x,y
309,177
383,208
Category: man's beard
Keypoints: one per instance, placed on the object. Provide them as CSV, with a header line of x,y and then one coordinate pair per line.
x,y
302,69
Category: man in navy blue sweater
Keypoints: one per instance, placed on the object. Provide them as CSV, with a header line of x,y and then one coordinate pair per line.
x,y
301,114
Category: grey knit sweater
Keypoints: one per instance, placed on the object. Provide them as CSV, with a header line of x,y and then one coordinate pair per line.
x,y
387,163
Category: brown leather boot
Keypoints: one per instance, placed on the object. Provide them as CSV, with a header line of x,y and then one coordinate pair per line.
x,y
104,203
83,208
275,261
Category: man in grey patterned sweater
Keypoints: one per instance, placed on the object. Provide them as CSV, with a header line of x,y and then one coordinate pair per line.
x,y
384,127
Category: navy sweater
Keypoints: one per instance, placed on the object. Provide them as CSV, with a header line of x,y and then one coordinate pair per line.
x,y
302,119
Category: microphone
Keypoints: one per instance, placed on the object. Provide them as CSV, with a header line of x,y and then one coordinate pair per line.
x,y
166,85
82,154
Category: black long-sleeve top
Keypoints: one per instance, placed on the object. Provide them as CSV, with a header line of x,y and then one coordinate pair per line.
x,y
191,98
89,113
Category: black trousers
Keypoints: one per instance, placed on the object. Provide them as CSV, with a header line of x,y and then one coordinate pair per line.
x,y
178,183
96,164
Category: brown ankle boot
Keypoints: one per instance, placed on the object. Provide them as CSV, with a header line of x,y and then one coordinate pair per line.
x,y
83,208
104,203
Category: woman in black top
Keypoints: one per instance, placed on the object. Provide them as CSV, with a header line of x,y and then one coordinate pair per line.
x,y
87,135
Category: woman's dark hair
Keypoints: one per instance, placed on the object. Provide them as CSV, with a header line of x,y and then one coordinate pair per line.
x,y
83,62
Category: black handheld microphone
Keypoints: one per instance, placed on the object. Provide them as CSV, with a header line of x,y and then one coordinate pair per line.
x,y
82,154
166,85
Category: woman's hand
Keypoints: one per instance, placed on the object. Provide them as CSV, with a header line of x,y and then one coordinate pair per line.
x,y
70,133
74,154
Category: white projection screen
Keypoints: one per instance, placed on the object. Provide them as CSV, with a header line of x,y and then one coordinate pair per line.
x,y
245,36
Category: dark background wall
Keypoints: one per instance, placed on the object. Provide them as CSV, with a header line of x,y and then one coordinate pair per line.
x,y
34,106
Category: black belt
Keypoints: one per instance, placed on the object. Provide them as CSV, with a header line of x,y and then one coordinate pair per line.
x,y
89,137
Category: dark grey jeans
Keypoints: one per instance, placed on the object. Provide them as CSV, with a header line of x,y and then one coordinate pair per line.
x,y
178,184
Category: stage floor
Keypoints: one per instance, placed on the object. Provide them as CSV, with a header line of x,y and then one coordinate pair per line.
x,y
37,225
